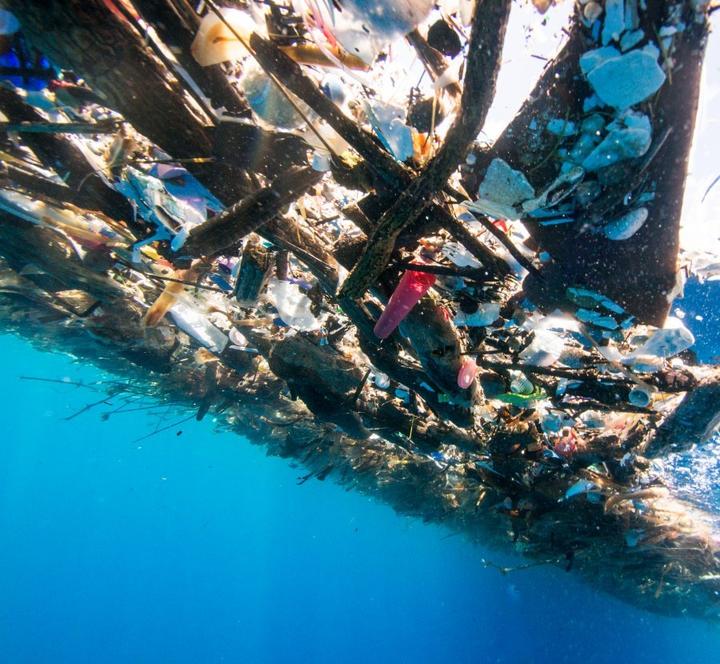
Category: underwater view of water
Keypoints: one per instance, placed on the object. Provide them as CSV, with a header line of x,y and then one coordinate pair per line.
x,y
192,546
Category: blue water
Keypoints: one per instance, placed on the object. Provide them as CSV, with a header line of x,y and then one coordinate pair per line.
x,y
196,547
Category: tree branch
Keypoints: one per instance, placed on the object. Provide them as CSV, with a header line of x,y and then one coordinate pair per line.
x,y
484,57
246,216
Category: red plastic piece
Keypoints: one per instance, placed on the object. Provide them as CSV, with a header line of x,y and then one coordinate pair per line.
x,y
412,286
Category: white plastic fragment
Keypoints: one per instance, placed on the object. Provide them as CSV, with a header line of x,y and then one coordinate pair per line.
x,y
622,80
459,255
614,23
579,295
596,318
389,18
292,305
388,122
486,314
544,350
632,15
630,39
629,136
626,226
237,339
554,421
674,338
215,42
592,11
267,100
381,380
501,189
193,323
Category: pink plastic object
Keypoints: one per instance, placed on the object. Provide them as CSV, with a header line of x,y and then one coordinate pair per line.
x,y
467,373
413,285
566,445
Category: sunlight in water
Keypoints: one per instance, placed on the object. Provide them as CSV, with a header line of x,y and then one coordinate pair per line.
x,y
695,475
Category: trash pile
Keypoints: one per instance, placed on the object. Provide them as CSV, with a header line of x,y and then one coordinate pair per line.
x,y
385,299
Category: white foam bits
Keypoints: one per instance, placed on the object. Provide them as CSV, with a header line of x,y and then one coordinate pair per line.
x,y
215,42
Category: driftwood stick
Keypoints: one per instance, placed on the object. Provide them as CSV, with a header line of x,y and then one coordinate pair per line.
x,y
103,127
506,242
572,374
483,64
246,216
60,153
471,273
433,60
290,74
177,22
479,250
393,174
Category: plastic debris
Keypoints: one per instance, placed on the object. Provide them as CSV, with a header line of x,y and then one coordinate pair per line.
x,y
269,102
467,373
502,189
566,398
623,228
581,487
623,80
628,137
215,42
459,255
292,305
412,286
192,322
544,349
560,127
486,314
389,18
667,342
166,299
614,23
640,396
389,124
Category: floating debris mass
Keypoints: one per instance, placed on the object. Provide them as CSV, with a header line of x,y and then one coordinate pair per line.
x,y
285,217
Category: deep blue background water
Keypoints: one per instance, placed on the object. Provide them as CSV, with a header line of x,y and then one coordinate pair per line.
x,y
199,548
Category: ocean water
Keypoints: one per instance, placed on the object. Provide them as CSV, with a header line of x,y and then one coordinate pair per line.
x,y
192,546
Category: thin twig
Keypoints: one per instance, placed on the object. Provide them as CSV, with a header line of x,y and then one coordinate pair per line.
x,y
102,127
507,243
169,426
